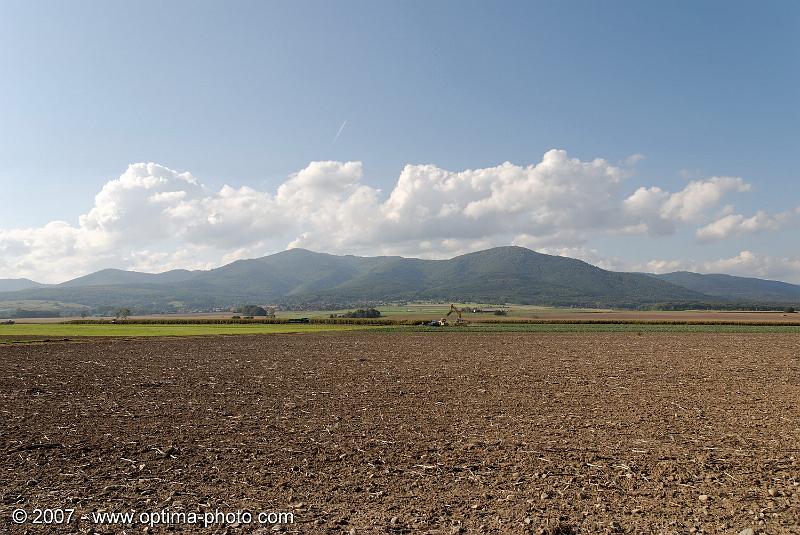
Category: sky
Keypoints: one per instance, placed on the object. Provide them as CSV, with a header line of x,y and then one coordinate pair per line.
x,y
643,136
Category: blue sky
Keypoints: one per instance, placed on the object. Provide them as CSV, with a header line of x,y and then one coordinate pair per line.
x,y
248,93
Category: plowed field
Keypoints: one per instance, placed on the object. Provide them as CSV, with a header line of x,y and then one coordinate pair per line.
x,y
409,433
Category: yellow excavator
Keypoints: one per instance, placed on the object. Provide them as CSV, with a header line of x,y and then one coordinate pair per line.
x,y
445,321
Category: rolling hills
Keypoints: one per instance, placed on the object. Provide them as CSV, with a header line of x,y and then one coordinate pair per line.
x,y
115,277
735,288
502,274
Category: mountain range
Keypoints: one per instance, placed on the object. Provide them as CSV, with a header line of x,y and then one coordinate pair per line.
x,y
498,275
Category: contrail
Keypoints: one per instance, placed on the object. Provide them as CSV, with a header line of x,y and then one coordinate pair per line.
x,y
339,132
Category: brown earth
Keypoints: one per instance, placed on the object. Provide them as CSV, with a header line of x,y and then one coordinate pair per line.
x,y
689,315
410,433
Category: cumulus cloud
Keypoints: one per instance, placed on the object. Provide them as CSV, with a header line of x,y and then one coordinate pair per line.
x,y
153,218
659,211
733,225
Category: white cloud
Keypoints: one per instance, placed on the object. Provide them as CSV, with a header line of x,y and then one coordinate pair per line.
x,y
659,266
691,203
661,212
733,225
153,218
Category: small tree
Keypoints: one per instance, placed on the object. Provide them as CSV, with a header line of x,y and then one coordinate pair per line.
x,y
364,313
252,310
790,310
122,313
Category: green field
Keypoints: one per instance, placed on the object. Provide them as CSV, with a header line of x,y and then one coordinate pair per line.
x,y
61,330
21,332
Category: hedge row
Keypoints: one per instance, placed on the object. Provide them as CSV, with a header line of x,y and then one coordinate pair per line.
x,y
389,322
227,321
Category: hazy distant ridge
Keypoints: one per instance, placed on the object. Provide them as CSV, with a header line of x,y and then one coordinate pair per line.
x,y
13,285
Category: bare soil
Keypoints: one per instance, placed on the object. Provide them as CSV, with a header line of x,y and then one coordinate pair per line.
x,y
689,315
410,433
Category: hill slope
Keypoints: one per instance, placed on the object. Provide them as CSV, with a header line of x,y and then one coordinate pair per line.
x,y
735,288
117,277
503,274
511,274
292,272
